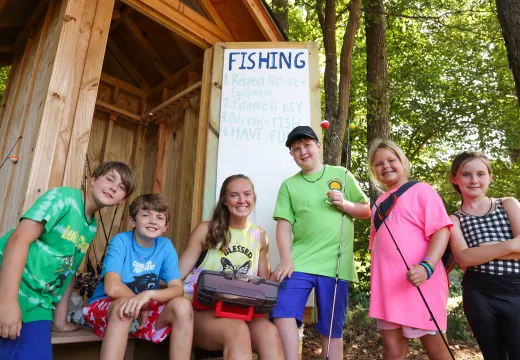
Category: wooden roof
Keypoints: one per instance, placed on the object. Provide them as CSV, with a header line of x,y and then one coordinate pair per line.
x,y
153,44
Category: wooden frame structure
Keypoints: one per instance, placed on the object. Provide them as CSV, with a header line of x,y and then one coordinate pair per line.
x,y
125,80
86,74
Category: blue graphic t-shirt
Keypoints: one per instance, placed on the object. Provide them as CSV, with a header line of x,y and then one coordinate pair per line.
x,y
140,268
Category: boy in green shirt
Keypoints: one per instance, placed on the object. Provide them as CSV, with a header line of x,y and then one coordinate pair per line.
x,y
317,206
38,259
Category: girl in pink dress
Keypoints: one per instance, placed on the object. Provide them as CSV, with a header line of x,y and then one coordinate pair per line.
x,y
420,226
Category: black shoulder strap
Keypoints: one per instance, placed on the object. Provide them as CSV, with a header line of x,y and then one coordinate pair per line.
x,y
384,209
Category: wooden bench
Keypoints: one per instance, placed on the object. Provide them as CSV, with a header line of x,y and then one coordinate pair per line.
x,y
85,335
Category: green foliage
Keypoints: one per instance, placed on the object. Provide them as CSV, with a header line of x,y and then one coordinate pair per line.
x,y
4,73
451,89
458,327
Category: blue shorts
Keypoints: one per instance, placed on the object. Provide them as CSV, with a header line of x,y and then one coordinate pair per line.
x,y
34,342
295,291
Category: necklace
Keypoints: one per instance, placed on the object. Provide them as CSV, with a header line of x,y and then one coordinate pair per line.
x,y
313,181
490,207
137,253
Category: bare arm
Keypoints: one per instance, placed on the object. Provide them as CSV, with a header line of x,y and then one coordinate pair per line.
x,y
115,288
283,240
263,258
478,255
438,243
14,259
59,316
354,209
191,254
512,209
132,306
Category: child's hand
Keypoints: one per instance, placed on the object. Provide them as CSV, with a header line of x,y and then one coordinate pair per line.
x,y
10,319
132,306
65,327
336,198
284,268
141,319
417,275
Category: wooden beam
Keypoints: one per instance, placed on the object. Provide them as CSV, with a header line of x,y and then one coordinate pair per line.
x,y
145,45
163,133
122,85
127,65
89,86
106,107
201,141
177,100
24,34
108,137
208,7
263,20
185,46
122,16
172,80
176,16
6,49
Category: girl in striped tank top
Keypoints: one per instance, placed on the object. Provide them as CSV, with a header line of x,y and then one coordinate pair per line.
x,y
230,242
485,240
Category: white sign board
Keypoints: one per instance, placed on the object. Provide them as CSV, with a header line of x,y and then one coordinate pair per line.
x,y
265,94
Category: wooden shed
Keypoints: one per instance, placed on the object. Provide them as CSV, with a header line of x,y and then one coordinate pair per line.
x,y
137,81
85,77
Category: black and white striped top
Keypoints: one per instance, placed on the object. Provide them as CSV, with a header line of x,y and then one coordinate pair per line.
x,y
494,226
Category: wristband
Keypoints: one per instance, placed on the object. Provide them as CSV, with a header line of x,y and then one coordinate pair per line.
x,y
427,268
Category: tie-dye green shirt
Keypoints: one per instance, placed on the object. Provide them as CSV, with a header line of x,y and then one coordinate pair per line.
x,y
55,256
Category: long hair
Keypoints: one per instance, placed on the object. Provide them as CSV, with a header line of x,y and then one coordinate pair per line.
x,y
218,232
392,147
462,158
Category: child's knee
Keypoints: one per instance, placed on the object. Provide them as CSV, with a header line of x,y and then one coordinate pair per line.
x,y
238,331
181,308
113,312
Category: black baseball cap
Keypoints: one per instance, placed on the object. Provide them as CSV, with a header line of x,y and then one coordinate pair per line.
x,y
300,132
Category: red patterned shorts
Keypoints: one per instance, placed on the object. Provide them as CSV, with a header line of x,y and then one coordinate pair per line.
x,y
96,313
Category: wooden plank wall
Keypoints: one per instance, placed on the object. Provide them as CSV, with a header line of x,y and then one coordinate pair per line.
x,y
51,74
29,78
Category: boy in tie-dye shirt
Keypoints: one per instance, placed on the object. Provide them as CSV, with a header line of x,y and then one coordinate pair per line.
x,y
38,259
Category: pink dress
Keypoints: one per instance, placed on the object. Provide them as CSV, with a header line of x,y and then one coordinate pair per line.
x,y
417,215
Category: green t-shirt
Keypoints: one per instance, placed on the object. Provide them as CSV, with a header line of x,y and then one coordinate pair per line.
x,y
316,225
55,256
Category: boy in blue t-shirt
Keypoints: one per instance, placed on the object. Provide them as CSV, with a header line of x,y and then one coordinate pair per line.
x,y
128,298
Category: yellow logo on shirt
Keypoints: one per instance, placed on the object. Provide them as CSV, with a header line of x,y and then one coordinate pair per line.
x,y
335,184
79,240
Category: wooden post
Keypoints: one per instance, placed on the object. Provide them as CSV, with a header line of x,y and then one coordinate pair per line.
x,y
52,102
70,98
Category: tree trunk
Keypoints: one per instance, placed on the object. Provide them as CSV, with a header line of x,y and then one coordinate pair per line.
x,y
281,13
337,114
509,17
378,122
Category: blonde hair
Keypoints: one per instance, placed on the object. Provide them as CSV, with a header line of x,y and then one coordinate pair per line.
x,y
392,147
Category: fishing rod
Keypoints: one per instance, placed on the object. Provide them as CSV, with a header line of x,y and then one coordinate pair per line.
x,y
325,124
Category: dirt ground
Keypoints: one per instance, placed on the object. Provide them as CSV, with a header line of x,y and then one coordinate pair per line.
x,y
369,347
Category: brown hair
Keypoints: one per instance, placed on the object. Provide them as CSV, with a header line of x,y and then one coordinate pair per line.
x,y
154,202
218,232
127,175
462,158
392,147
